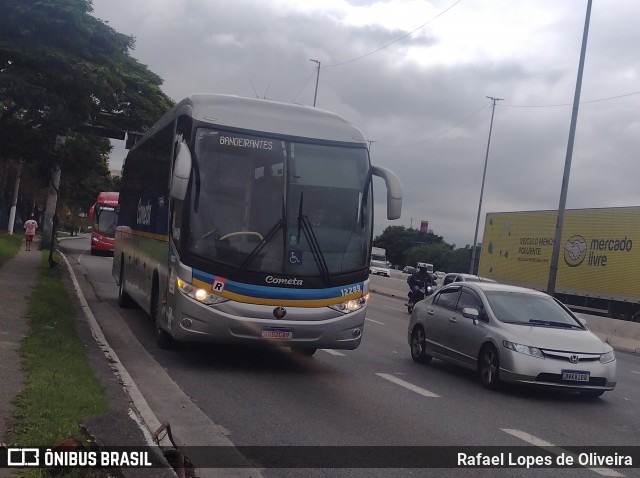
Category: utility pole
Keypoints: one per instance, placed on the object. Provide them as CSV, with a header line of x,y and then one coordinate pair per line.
x,y
317,79
484,174
553,267
370,141
14,198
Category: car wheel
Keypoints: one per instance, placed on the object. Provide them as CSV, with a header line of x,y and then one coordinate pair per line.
x,y
592,393
306,351
124,299
489,367
419,346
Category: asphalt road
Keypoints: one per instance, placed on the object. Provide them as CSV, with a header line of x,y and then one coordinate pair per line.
x,y
373,396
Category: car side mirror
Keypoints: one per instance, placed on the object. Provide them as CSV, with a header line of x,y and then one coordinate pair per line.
x,y
471,313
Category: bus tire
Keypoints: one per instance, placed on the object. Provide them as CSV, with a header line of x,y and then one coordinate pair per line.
x,y
305,351
164,339
124,299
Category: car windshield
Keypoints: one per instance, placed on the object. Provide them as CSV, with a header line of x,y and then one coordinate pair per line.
x,y
529,309
379,264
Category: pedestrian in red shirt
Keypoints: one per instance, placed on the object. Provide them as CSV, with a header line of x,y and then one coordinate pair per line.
x,y
30,227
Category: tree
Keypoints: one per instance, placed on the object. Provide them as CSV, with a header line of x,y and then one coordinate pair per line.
x,y
398,240
60,69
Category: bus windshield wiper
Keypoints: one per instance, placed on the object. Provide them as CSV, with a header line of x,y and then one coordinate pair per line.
x,y
270,234
318,256
364,200
256,250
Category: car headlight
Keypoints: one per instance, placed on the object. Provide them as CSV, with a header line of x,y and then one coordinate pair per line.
x,y
607,357
523,349
201,295
351,305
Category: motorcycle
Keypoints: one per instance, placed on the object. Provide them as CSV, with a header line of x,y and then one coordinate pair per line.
x,y
422,293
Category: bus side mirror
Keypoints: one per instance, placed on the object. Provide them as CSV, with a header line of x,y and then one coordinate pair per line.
x,y
181,172
394,191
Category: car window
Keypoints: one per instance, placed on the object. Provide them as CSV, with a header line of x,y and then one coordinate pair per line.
x,y
448,279
447,298
469,298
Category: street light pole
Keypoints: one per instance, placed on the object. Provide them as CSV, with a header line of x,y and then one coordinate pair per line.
x,y
317,79
484,174
553,266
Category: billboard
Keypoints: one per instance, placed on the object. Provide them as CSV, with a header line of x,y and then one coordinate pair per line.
x,y
599,251
424,226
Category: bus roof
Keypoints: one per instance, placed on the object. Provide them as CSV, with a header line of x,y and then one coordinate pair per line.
x,y
108,197
265,116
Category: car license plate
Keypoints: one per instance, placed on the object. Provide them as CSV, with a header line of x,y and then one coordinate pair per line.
x,y
281,333
575,375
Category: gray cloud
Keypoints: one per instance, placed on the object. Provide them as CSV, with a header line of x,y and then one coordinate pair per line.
x,y
424,112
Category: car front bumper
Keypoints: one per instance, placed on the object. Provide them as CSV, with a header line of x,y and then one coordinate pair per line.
x,y
520,368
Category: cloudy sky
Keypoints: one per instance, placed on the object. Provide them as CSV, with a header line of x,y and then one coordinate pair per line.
x,y
415,75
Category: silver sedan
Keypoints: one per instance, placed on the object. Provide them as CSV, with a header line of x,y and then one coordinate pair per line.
x,y
511,334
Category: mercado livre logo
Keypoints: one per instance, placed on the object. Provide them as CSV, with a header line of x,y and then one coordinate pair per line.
x,y
575,250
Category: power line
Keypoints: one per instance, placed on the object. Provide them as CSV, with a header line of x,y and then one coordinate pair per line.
x,y
370,53
395,41
571,104
302,87
486,105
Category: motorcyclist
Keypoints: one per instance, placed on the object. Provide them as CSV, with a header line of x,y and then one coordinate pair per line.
x,y
420,279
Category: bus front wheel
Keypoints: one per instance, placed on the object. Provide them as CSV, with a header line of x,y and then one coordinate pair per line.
x,y
163,338
124,299
305,351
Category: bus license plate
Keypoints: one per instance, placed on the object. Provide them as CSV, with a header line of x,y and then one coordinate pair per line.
x,y
281,333
575,375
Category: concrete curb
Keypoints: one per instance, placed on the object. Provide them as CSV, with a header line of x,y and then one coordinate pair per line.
x,y
190,425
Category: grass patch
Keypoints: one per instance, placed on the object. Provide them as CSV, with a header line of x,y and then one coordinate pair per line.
x,y
60,385
9,246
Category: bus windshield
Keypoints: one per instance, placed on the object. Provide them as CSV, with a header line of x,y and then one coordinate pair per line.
x,y
268,205
105,220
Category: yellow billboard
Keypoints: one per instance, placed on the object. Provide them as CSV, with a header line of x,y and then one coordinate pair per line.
x,y
597,254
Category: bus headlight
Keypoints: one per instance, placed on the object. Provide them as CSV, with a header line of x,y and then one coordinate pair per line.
x,y
201,295
351,305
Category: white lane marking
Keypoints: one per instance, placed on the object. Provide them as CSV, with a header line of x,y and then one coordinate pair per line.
x,y
407,385
539,442
633,371
394,308
333,352
375,321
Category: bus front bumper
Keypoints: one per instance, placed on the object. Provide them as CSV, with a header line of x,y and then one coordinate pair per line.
x,y
237,323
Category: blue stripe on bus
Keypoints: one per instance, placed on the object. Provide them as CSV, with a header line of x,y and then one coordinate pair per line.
x,y
276,292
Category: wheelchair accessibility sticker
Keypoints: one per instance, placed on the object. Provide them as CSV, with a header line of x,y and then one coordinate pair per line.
x,y
295,257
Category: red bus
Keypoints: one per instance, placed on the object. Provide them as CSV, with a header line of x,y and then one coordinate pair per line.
x,y
102,216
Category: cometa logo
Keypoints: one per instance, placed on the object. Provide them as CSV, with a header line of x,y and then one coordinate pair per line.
x,y
575,250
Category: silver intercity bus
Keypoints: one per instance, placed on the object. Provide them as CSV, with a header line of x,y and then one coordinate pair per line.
x,y
249,221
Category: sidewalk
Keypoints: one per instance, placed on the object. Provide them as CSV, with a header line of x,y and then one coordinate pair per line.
x,y
18,279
